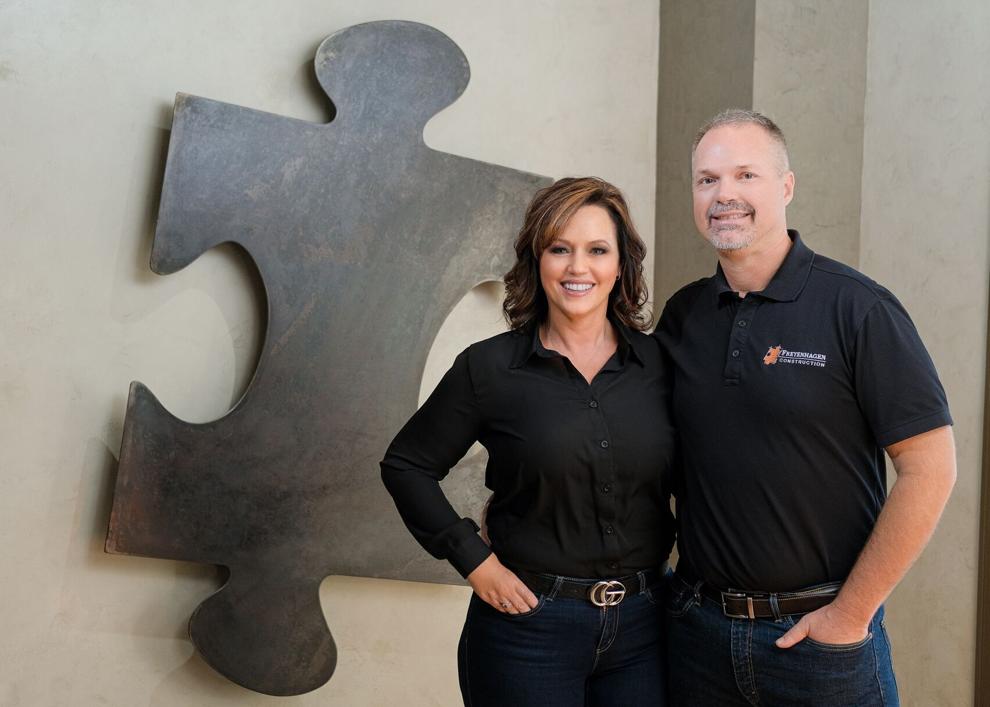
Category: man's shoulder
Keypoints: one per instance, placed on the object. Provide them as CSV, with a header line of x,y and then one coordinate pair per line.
x,y
849,281
678,307
687,294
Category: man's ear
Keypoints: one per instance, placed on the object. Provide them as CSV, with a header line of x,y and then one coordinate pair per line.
x,y
788,187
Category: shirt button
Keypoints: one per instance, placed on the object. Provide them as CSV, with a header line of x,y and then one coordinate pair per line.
x,y
609,530
613,565
593,404
606,488
735,353
604,444
742,322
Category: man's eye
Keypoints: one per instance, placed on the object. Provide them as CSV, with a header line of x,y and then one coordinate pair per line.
x,y
748,175
706,180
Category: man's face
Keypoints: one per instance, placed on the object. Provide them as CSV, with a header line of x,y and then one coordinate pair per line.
x,y
741,186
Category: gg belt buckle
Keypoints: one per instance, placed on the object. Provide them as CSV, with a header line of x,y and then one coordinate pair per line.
x,y
607,593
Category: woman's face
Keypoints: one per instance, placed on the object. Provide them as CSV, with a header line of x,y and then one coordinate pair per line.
x,y
579,269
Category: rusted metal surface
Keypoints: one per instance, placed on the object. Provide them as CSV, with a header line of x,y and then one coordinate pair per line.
x,y
365,239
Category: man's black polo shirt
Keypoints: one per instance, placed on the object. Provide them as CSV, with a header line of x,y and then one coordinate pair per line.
x,y
783,402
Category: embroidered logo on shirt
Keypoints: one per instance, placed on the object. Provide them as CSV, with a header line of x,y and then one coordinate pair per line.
x,y
771,358
778,354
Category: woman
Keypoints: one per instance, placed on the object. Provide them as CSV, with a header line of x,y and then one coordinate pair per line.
x,y
571,406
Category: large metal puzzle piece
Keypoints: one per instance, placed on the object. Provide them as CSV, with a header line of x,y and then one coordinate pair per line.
x,y
365,240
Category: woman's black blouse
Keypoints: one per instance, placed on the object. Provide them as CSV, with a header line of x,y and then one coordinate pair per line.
x,y
580,473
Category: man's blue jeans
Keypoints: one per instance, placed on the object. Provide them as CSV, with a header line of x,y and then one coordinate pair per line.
x,y
718,661
565,653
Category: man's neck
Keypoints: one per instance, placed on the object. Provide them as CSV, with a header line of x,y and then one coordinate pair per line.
x,y
750,269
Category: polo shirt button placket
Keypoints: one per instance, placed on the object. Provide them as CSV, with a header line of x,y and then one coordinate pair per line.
x,y
738,339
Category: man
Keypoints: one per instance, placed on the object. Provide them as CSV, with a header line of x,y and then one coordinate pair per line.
x,y
792,374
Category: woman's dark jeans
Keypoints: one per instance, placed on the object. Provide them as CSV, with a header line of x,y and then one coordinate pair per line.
x,y
565,653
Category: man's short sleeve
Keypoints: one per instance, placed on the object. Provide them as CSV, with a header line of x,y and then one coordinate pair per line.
x,y
896,383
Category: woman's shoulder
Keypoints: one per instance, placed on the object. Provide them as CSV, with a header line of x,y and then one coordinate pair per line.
x,y
501,349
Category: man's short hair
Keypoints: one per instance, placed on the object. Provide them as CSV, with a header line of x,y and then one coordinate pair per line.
x,y
742,116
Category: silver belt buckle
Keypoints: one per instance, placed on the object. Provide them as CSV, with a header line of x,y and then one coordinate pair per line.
x,y
738,595
607,593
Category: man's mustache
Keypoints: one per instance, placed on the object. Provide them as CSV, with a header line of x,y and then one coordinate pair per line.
x,y
721,208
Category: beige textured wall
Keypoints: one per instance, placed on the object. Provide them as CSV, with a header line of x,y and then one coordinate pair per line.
x,y
925,232
559,88
706,65
809,75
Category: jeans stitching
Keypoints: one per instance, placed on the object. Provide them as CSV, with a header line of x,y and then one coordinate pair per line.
x,y
843,648
890,653
614,629
749,662
876,674
603,619
540,603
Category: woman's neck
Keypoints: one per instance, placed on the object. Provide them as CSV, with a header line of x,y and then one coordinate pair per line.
x,y
585,334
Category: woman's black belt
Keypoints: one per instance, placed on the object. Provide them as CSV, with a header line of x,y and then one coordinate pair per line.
x,y
600,592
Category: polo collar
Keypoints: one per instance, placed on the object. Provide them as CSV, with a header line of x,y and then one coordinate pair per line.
x,y
529,345
787,283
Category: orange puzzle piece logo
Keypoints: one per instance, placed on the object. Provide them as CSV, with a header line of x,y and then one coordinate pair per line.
x,y
771,356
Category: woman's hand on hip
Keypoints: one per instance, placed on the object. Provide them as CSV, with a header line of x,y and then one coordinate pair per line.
x,y
497,585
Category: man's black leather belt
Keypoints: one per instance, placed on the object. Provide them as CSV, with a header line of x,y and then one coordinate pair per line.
x,y
605,592
737,604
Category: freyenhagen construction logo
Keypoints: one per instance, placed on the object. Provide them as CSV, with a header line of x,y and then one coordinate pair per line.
x,y
778,354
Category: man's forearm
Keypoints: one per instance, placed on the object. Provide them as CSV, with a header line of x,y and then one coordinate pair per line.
x,y
926,471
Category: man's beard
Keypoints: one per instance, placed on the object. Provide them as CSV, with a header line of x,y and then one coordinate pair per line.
x,y
720,240
718,236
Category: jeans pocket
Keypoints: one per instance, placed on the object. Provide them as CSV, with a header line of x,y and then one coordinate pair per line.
x,y
525,614
840,647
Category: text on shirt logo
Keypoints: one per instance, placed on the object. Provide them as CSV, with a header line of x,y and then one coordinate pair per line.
x,y
778,354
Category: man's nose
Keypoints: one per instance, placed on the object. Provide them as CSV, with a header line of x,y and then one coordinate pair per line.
x,y
727,192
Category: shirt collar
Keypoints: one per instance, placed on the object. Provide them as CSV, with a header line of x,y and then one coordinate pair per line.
x,y
529,345
786,284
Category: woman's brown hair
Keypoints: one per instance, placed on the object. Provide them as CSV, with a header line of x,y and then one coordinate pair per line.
x,y
546,216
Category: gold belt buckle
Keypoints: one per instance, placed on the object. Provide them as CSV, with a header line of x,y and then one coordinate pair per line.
x,y
607,593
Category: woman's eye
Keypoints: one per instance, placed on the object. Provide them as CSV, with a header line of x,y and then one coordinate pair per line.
x,y
599,251
557,249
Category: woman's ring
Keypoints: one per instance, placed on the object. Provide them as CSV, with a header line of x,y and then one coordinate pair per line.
x,y
504,604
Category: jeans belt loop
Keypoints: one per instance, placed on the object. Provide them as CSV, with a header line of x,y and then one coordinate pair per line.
x,y
697,591
775,607
642,581
556,588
